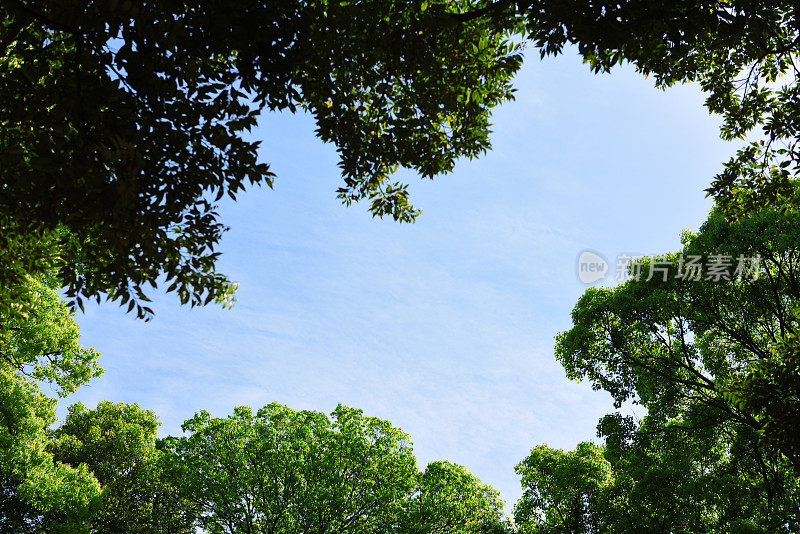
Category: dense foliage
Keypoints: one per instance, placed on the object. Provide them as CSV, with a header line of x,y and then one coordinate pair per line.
x,y
685,348
273,471
117,442
121,125
279,470
41,348
713,362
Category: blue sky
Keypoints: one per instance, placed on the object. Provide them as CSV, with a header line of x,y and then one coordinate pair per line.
x,y
444,327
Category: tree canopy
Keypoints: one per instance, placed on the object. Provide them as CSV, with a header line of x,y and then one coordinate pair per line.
x,y
279,470
41,348
122,125
563,491
117,443
712,361
683,347
448,499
